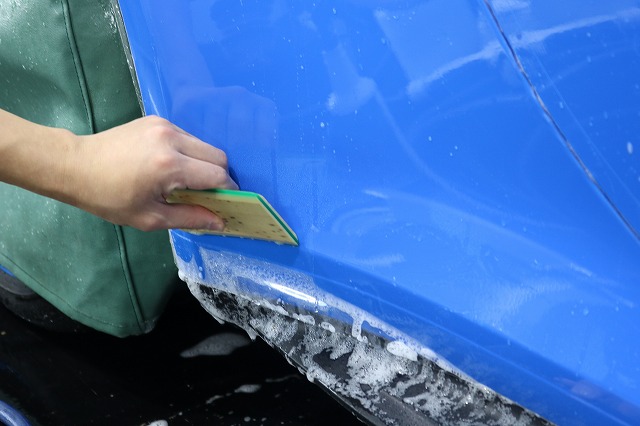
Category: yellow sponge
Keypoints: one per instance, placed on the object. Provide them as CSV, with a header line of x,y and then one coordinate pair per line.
x,y
245,214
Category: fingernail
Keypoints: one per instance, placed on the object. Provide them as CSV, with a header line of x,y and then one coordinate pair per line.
x,y
216,225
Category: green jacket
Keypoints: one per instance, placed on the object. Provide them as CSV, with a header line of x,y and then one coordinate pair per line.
x,y
62,64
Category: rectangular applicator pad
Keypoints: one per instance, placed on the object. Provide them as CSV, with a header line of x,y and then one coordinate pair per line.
x,y
246,214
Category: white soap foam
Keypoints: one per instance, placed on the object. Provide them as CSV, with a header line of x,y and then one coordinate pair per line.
x,y
369,367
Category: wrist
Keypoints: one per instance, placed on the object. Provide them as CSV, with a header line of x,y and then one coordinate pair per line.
x,y
65,167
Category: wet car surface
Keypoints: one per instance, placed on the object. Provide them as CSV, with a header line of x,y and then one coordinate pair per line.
x,y
461,176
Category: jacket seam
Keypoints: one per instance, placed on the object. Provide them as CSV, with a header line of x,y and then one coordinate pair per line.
x,y
126,272
77,62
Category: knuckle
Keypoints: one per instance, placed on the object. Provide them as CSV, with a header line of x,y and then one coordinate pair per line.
x,y
162,133
155,120
223,160
165,160
160,130
219,176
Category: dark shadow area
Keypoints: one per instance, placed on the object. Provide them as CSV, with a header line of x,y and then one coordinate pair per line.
x,y
95,379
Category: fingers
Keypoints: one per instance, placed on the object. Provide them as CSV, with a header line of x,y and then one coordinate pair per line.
x,y
203,166
200,174
183,142
197,149
186,216
153,157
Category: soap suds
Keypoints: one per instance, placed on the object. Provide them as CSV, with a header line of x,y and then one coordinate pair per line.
x,y
368,364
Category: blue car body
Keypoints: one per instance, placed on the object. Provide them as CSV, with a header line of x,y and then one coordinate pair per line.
x,y
465,174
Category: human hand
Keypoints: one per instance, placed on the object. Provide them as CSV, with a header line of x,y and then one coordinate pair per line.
x,y
124,175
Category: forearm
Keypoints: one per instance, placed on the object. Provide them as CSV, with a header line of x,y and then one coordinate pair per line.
x,y
36,157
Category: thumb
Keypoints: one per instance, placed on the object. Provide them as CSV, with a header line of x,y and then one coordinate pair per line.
x,y
192,217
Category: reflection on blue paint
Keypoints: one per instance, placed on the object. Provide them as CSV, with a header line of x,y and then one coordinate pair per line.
x,y
560,50
457,168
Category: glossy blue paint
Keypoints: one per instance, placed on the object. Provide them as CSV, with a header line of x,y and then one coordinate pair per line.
x,y
465,171
562,50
